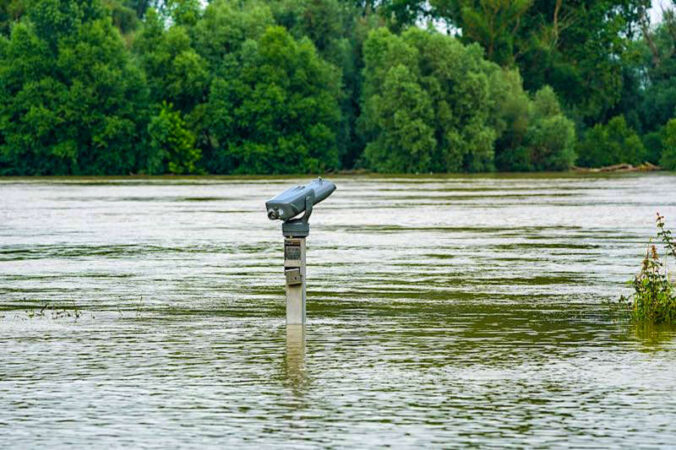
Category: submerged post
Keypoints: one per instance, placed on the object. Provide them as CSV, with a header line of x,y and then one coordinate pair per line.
x,y
294,270
286,206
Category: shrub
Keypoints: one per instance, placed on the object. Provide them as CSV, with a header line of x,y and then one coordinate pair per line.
x,y
668,160
552,142
613,143
551,136
654,297
653,144
536,136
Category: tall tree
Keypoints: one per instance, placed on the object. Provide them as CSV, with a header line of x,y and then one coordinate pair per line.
x,y
338,31
533,134
71,101
494,24
10,12
274,108
575,46
175,72
443,87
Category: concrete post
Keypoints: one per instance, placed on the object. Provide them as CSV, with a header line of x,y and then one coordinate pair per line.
x,y
294,270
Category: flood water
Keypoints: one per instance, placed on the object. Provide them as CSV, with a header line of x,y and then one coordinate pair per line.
x,y
442,312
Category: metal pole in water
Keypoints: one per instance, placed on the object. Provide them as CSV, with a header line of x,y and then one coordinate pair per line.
x,y
294,270
286,206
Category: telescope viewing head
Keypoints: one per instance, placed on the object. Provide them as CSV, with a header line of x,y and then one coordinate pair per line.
x,y
296,200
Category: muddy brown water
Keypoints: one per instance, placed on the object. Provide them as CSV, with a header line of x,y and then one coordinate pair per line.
x,y
442,312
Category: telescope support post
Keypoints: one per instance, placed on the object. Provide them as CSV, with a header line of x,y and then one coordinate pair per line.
x,y
286,206
294,270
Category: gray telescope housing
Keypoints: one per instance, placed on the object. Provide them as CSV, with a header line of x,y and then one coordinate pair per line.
x,y
296,200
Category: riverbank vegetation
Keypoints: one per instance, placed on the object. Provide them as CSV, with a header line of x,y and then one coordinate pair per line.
x,y
306,86
654,297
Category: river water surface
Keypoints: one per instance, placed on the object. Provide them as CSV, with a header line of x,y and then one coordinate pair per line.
x,y
442,312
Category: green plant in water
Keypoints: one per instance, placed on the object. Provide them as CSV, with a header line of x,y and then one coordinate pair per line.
x,y
665,236
654,297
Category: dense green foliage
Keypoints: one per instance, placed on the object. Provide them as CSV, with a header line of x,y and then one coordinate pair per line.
x,y
276,109
434,105
536,135
609,144
290,86
668,138
426,104
654,297
172,144
70,96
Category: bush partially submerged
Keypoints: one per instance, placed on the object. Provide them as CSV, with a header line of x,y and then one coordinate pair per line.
x,y
654,297
613,143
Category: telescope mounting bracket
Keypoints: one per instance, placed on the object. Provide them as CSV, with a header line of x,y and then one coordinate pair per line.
x,y
299,227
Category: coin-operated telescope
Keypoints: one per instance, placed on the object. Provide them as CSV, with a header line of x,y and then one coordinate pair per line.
x,y
286,206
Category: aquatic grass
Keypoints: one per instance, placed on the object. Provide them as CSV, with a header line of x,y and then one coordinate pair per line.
x,y
654,297
54,311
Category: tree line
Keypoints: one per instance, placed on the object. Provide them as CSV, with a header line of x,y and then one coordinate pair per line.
x,y
307,86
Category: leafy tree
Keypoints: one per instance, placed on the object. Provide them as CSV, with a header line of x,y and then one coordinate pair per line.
x,y
184,12
323,21
552,136
653,144
403,119
345,83
613,143
455,106
141,6
668,160
337,31
649,94
491,23
10,12
536,136
172,144
71,101
396,14
225,26
511,118
124,17
402,13
174,70
577,47
274,110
